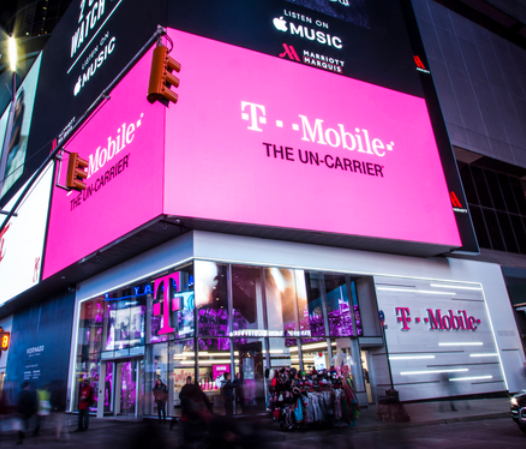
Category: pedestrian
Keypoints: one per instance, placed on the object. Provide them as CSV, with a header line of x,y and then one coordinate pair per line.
x,y
26,408
57,402
227,391
196,413
86,400
160,394
43,408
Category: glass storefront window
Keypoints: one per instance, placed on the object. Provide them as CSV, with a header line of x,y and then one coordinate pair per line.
x,y
338,307
283,353
125,322
178,320
356,310
214,359
316,354
248,319
315,305
90,327
211,298
282,301
247,300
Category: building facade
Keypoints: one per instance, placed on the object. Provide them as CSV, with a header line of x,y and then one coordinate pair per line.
x,y
255,223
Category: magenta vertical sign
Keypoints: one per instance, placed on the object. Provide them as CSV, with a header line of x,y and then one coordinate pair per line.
x,y
123,142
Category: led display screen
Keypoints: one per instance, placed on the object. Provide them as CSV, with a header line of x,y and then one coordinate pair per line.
x,y
278,144
22,239
123,142
13,153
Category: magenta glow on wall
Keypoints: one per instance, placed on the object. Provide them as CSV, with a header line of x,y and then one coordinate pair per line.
x,y
123,142
257,139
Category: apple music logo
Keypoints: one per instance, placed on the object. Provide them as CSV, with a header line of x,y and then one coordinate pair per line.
x,y
307,33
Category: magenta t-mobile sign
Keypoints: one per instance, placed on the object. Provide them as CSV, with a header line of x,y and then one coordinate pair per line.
x,y
436,319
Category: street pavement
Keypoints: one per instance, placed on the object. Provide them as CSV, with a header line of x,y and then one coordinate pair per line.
x,y
476,424
501,433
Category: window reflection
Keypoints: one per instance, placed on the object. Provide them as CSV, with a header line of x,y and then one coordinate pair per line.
x,y
211,298
338,308
247,299
316,320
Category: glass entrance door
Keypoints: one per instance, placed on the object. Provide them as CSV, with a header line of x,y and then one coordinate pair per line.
x,y
127,371
122,387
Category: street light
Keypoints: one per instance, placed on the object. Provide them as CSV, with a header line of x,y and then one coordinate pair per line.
x,y
12,53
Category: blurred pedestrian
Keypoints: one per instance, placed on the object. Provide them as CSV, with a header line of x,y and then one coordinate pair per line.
x,y
160,394
57,402
86,400
227,391
196,413
26,408
43,408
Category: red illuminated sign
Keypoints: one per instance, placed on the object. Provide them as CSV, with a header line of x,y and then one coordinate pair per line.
x,y
454,200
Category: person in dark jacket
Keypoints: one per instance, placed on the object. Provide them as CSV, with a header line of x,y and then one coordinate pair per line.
x,y
196,413
160,394
26,408
227,391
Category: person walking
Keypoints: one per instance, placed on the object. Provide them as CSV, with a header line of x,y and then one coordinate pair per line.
x,y
43,408
86,399
227,391
160,394
196,414
57,401
26,408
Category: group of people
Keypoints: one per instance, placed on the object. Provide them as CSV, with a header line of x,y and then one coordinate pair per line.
x,y
34,408
193,398
197,417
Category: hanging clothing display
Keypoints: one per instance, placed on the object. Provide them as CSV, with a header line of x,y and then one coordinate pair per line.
x,y
318,398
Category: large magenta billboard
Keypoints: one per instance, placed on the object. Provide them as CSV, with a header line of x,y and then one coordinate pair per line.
x,y
123,142
260,140
254,139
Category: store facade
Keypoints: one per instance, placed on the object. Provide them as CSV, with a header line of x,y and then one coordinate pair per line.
x,y
206,303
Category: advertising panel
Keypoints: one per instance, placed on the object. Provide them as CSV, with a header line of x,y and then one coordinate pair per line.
x,y
13,160
440,338
293,147
22,239
123,142
40,344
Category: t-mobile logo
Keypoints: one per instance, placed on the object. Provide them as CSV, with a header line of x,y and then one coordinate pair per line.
x,y
164,289
253,115
342,136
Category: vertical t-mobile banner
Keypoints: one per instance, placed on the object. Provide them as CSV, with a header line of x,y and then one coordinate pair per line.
x,y
259,140
123,142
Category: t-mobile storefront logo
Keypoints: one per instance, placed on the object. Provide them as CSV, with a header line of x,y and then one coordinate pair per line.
x,y
166,305
361,140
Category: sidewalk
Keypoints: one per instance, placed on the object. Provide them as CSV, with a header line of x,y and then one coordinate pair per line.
x,y
438,412
422,414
